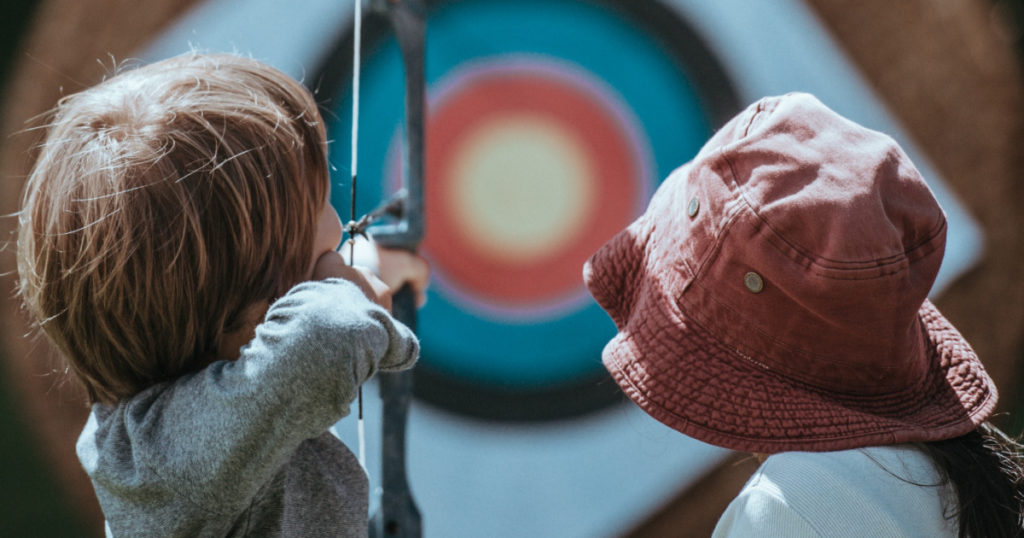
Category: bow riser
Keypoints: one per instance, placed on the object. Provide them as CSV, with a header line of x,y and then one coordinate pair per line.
x,y
398,514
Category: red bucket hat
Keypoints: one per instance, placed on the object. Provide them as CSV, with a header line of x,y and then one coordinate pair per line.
x,y
773,296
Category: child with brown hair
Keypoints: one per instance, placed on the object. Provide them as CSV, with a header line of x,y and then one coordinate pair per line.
x,y
177,245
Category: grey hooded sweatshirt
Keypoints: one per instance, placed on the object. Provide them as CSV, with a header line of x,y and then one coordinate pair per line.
x,y
241,447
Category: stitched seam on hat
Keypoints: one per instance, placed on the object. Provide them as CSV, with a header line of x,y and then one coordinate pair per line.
x,y
774,370
932,375
711,296
733,348
757,112
786,373
908,253
881,268
719,236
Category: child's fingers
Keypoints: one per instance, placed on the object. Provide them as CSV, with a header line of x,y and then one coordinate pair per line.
x,y
371,286
400,267
332,265
381,291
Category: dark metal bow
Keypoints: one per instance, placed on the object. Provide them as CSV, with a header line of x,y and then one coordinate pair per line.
x,y
398,514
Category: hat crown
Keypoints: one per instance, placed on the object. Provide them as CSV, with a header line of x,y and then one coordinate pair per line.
x,y
835,225
834,189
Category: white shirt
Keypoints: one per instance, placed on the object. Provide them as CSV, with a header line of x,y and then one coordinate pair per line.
x,y
892,491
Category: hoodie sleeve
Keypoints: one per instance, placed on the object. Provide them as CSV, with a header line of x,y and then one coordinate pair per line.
x,y
216,436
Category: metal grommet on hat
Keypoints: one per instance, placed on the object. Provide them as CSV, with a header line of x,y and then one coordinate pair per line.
x,y
753,282
693,207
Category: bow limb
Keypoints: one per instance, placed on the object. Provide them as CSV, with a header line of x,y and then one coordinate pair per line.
x,y
398,514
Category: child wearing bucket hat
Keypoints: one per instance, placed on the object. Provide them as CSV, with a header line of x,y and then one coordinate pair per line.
x,y
773,299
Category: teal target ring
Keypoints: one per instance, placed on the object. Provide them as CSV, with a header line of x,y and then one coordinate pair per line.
x,y
550,122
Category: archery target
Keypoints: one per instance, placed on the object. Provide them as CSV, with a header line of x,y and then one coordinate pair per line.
x,y
597,474
533,164
550,123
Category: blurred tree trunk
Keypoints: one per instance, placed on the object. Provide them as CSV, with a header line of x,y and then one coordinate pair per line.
x,y
70,45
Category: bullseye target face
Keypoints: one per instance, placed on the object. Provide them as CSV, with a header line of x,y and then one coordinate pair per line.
x,y
533,166
550,122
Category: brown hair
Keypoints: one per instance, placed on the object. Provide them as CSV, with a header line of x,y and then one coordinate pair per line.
x,y
986,470
166,201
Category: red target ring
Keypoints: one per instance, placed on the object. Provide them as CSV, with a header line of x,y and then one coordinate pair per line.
x,y
529,171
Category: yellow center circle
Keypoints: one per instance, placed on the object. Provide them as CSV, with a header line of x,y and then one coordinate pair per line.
x,y
521,188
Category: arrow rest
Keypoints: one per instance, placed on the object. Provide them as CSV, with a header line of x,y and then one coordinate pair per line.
x,y
394,207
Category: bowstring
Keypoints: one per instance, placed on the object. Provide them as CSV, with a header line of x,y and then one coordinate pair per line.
x,y
357,27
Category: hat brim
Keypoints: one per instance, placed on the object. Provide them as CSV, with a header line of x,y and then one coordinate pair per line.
x,y
683,376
